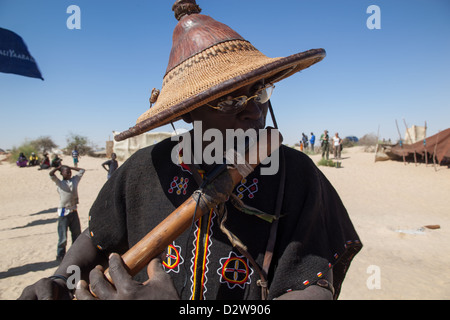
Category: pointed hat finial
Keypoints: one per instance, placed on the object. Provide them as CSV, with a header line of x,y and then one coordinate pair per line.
x,y
185,7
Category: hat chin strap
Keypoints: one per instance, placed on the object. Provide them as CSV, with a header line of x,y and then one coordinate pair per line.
x,y
173,127
272,114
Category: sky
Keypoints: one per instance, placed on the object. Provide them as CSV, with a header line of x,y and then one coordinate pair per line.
x,y
98,79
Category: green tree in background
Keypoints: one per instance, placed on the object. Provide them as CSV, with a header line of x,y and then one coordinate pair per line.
x,y
82,143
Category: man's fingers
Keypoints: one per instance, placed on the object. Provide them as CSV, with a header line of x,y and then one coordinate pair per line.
x,y
82,291
160,281
155,270
117,271
99,285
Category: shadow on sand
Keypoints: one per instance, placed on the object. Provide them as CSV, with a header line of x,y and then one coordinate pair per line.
x,y
37,266
37,223
51,210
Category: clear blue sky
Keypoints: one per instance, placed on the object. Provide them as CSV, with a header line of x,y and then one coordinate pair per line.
x,y
98,79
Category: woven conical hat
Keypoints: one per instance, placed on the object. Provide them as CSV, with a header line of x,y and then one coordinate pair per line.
x,y
209,60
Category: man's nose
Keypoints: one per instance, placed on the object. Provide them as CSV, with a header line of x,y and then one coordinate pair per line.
x,y
252,111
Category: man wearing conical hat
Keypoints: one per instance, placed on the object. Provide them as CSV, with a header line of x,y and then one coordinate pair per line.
x,y
274,234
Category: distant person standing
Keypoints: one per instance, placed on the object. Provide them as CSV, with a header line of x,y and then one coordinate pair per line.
x,y
75,156
112,165
337,146
312,141
305,140
67,209
324,143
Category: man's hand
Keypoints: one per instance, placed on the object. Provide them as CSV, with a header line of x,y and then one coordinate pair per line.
x,y
46,289
158,287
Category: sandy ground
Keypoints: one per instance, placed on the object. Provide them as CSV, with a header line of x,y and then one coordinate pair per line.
x,y
389,203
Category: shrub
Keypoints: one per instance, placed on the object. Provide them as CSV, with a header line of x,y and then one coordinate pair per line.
x,y
369,139
348,143
326,163
27,148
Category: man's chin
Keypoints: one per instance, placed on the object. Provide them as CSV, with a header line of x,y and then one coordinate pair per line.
x,y
254,125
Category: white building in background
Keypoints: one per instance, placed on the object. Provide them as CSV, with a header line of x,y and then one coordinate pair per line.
x,y
124,149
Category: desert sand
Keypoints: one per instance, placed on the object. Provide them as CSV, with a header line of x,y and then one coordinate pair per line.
x,y
390,204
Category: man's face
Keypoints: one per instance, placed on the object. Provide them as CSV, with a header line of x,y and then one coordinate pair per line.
x,y
252,117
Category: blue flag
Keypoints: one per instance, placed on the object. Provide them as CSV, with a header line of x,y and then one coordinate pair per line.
x,y
14,56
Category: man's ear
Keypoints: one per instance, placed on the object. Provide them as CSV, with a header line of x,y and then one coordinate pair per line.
x,y
187,117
